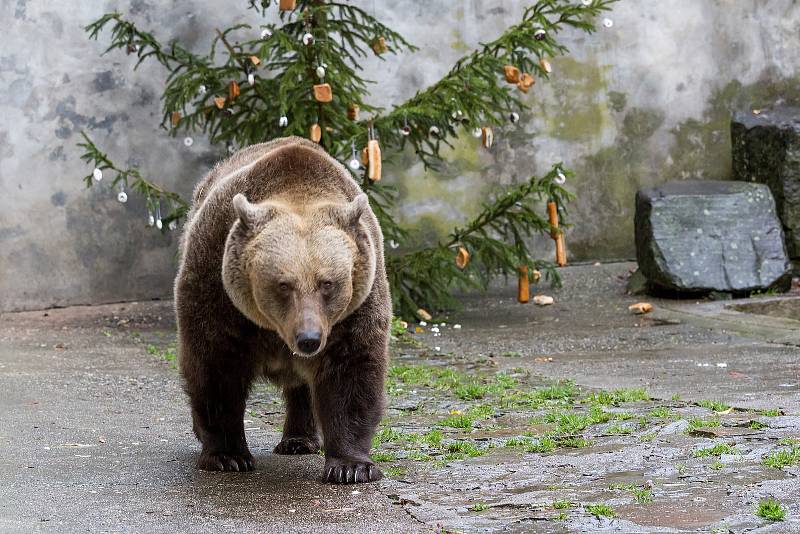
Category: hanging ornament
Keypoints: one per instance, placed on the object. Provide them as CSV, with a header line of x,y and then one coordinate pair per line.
x,y
255,61
231,149
393,244
202,89
288,5
374,156
434,131
251,78
365,157
228,112
556,234
354,164
315,133
405,130
159,223
352,112
132,48
487,136
379,45
477,132
514,117
308,39
175,118
511,73
560,178
545,65
320,72
539,34
283,122
462,258
525,82
122,196
323,92
97,174
233,90
188,141
523,285
608,23
219,101
266,33
151,220
587,2
173,224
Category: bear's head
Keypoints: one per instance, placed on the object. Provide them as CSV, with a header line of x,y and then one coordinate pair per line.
x,y
299,271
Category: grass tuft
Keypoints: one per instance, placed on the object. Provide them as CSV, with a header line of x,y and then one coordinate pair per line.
x,y
717,450
601,510
782,458
771,510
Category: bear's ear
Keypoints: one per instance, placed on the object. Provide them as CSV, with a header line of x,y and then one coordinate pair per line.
x,y
249,214
353,212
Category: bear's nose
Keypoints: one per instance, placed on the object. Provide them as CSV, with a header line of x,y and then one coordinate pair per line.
x,y
308,341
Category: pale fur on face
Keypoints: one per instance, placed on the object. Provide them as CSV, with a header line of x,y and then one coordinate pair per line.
x,y
288,268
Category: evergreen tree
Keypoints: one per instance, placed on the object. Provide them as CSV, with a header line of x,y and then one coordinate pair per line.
x,y
275,79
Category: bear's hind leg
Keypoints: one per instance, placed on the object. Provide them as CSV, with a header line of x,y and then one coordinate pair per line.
x,y
218,386
300,434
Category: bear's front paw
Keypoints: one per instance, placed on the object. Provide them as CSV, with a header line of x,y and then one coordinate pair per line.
x,y
344,471
226,461
297,446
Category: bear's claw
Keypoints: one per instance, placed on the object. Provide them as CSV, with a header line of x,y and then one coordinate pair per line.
x,y
350,472
297,446
220,461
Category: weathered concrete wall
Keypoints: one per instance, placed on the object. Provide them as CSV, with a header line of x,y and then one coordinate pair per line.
x,y
643,102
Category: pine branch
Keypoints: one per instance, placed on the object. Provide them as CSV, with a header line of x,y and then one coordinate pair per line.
x,y
495,240
131,179
472,92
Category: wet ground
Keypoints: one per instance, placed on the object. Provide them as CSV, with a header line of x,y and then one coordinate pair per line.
x,y
574,417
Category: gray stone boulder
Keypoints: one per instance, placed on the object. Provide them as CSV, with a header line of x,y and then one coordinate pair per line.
x,y
766,149
703,236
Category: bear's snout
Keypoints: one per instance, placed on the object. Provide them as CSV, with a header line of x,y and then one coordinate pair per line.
x,y
308,341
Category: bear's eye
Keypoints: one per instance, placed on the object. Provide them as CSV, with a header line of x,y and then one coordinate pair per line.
x,y
326,285
284,287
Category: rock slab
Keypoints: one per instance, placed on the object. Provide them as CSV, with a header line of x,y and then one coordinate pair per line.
x,y
702,236
766,149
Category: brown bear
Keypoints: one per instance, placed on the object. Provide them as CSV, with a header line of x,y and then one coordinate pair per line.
x,y
282,276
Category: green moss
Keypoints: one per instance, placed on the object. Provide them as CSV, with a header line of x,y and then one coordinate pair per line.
x,y
617,101
584,116
702,145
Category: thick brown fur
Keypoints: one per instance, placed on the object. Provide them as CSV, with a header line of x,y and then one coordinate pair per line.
x,y
297,250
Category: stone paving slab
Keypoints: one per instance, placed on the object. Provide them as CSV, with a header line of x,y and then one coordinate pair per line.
x,y
483,433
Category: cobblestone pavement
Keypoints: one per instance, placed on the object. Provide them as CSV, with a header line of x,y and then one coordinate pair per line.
x,y
574,417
